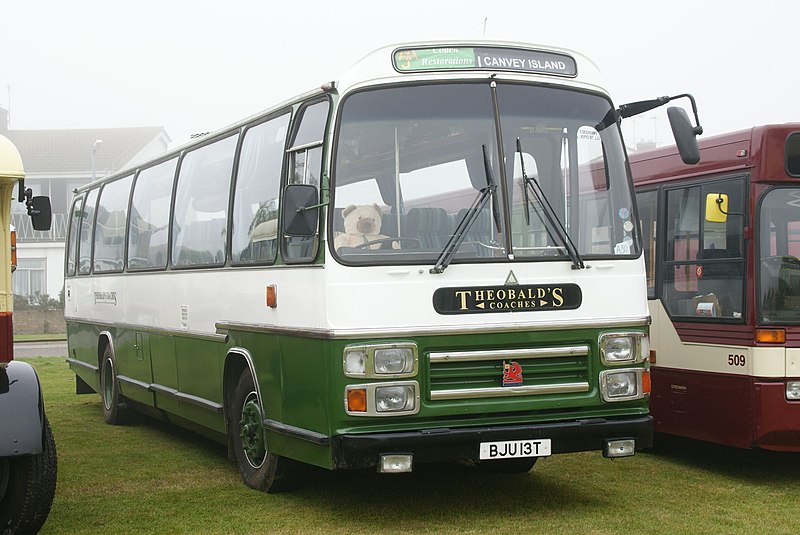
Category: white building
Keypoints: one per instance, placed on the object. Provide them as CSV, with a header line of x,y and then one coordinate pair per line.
x,y
56,162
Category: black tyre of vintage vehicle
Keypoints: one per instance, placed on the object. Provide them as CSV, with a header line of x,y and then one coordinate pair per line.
x,y
27,487
260,468
113,407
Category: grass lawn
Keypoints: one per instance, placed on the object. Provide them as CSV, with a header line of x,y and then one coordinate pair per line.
x,y
148,477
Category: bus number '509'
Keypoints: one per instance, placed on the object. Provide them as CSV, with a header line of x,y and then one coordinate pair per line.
x,y
736,360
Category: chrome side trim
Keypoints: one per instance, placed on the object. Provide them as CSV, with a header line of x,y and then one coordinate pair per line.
x,y
80,363
220,337
180,396
133,382
296,432
509,391
534,353
325,334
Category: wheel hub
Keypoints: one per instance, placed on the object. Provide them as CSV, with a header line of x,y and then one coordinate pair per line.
x,y
251,431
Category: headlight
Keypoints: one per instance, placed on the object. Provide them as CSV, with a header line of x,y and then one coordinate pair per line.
x,y
793,390
621,385
382,399
394,398
381,360
624,348
394,360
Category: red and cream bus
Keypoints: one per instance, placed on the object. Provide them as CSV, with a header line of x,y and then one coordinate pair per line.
x,y
27,448
722,242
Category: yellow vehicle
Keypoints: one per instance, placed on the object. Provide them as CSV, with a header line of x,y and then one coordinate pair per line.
x,y
27,447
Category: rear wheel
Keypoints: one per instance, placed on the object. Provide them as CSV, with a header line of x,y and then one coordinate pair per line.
x,y
113,409
27,487
260,468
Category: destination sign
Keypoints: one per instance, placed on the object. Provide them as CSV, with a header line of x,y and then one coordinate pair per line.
x,y
510,298
485,59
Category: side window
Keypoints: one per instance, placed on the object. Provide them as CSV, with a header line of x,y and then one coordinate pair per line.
x,y
254,236
149,221
200,222
87,227
704,264
74,228
305,167
647,201
109,236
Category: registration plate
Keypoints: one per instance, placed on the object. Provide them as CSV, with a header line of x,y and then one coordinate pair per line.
x,y
509,449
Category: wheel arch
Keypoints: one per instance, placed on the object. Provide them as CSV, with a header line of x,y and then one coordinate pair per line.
x,y
104,340
238,360
22,427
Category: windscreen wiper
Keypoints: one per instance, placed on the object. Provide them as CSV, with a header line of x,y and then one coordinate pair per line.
x,y
469,218
532,185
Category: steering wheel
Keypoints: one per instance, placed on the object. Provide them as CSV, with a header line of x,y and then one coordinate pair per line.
x,y
413,241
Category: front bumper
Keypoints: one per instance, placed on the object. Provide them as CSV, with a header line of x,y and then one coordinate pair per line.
x,y
462,444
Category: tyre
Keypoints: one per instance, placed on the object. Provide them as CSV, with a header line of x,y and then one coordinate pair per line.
x,y
113,408
260,468
519,465
27,487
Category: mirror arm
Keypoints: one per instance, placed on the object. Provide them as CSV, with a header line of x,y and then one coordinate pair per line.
x,y
719,202
635,108
303,209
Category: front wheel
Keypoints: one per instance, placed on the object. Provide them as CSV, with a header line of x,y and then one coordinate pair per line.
x,y
27,487
260,468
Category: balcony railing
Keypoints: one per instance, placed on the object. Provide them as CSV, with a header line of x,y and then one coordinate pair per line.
x,y
25,232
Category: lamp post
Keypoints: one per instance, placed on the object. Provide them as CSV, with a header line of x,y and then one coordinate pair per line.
x,y
94,157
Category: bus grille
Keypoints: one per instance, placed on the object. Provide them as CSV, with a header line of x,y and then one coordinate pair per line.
x,y
479,374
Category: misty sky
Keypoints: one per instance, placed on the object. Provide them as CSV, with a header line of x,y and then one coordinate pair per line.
x,y
195,66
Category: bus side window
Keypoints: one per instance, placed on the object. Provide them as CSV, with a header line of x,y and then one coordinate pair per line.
x,y
200,222
109,236
254,233
647,213
74,227
305,167
87,228
149,220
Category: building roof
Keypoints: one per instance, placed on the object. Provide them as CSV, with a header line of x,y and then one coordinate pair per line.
x,y
70,150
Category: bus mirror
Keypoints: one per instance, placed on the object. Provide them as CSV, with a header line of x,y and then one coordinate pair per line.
x,y
40,212
300,210
716,207
684,134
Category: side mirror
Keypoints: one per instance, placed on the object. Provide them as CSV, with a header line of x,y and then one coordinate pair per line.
x,y
40,212
300,210
717,207
684,134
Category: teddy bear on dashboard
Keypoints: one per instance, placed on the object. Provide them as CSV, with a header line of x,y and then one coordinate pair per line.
x,y
362,225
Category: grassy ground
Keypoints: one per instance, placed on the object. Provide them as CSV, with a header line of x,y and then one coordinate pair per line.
x,y
147,477
39,337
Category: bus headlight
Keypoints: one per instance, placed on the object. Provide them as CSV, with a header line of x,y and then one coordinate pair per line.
x,y
394,398
382,399
793,390
624,348
386,361
621,385
394,360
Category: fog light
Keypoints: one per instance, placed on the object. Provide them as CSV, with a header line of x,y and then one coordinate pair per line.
x,y
394,398
395,463
619,448
793,390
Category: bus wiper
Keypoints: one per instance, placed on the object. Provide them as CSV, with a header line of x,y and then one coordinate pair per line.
x,y
469,218
550,214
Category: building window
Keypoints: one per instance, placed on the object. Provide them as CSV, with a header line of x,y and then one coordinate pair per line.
x,y
29,277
